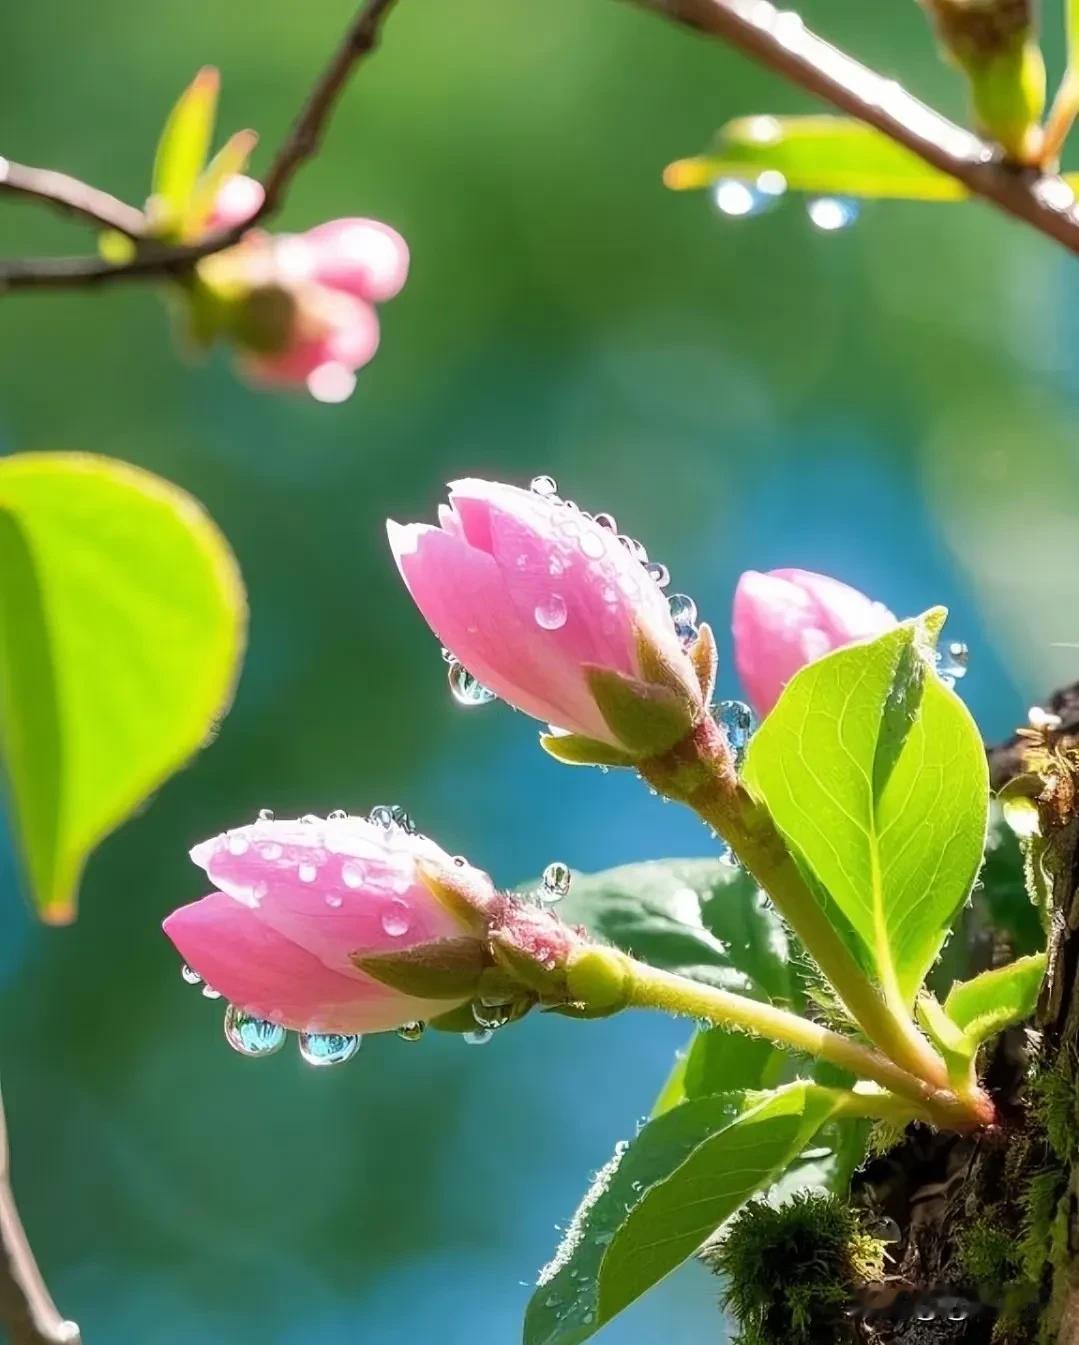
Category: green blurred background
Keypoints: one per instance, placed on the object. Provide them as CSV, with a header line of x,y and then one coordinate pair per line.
x,y
892,404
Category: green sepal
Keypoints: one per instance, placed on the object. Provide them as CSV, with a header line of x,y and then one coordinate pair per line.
x,y
705,659
576,750
647,719
521,964
462,1019
441,969
998,999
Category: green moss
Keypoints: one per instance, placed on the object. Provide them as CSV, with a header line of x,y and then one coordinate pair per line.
x,y
986,1251
1054,1104
791,1271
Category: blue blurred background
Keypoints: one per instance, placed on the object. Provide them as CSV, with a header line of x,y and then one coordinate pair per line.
x,y
892,404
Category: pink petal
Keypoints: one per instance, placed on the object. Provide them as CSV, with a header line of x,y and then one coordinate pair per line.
x,y
258,969
362,257
237,201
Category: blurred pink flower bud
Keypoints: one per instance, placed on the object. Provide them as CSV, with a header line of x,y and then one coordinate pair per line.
x,y
299,903
553,613
785,619
300,307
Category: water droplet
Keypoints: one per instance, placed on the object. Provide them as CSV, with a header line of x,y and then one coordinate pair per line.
x,y
270,850
208,992
333,902
952,662
607,521
830,214
684,615
466,689
395,920
250,1035
738,198
328,1048
592,544
310,819
658,572
546,486
738,721
729,859
266,815
190,977
460,861
448,656
238,845
307,872
353,873
411,1031
635,549
556,881
338,815
491,1016
550,614
480,1037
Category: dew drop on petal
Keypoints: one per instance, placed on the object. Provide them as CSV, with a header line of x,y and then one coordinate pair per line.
x,y
327,1048
307,872
190,976
411,1031
607,521
635,549
658,572
480,1037
684,615
238,845
270,850
592,544
556,881
491,1016
250,1035
550,614
466,689
208,992
352,873
545,486
395,920
266,815
338,815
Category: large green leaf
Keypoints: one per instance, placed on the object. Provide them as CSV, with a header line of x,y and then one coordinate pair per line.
x,y
875,774
662,1197
996,999
820,154
122,620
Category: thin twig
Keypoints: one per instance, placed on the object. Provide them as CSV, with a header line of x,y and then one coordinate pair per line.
x,y
26,1307
784,44
303,139
71,197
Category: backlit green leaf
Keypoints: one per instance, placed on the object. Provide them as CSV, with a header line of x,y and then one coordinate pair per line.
x,y
997,999
182,151
122,620
875,774
823,155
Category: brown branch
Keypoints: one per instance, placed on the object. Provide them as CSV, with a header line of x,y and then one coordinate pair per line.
x,y
780,41
359,39
71,197
26,1307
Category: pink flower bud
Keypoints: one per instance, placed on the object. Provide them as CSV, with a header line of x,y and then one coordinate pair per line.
x,y
541,604
237,201
360,257
785,619
298,903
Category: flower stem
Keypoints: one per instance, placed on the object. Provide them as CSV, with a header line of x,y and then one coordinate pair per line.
x,y
700,772
649,987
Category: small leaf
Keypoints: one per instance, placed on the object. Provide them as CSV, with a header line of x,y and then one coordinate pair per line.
x,y
681,1212
563,1308
875,774
823,155
997,999
229,160
122,621
182,150
575,749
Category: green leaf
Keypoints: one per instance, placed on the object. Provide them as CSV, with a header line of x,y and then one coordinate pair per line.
x,y
875,773
996,999
563,1308
822,155
229,160
182,151
122,621
664,1194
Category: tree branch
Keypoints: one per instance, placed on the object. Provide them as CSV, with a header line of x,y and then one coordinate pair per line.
x,y
26,1308
155,259
71,197
780,41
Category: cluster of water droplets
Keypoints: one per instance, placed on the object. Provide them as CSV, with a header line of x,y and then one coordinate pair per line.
x,y
952,662
744,198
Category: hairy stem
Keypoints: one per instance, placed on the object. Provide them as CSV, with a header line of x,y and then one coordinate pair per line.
x,y
699,772
651,988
